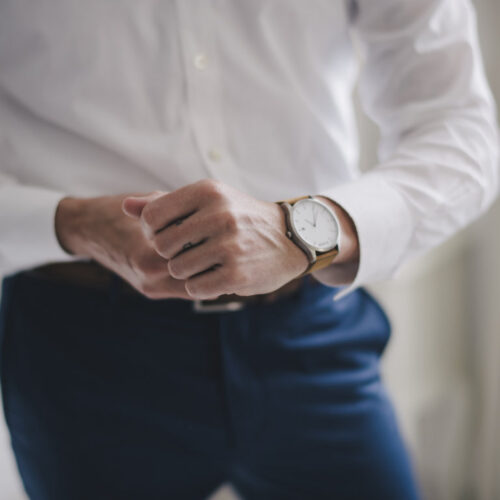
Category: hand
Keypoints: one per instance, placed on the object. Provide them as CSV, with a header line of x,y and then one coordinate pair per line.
x,y
219,240
98,228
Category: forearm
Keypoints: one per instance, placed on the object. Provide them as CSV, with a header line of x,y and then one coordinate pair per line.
x,y
83,226
70,226
438,168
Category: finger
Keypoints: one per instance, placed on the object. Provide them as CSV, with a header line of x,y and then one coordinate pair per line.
x,y
192,231
207,285
165,287
179,204
196,260
134,205
152,278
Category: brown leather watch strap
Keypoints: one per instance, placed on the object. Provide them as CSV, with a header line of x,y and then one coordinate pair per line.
x,y
291,201
322,260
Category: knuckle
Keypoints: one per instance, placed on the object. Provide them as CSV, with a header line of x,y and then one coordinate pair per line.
x,y
217,220
232,250
148,290
150,214
193,289
162,246
226,221
176,269
202,289
238,247
212,189
155,289
230,222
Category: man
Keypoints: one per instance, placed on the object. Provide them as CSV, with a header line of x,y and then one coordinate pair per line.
x,y
164,326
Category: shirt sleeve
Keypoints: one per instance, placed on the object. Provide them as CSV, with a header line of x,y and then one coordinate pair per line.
x,y
27,233
423,84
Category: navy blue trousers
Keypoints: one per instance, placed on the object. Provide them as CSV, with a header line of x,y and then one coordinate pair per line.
x,y
113,396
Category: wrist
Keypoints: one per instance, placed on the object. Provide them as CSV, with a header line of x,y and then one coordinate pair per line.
x,y
344,258
69,225
349,249
296,259
346,263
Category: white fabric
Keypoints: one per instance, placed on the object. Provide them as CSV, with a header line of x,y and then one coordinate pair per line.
x,y
101,97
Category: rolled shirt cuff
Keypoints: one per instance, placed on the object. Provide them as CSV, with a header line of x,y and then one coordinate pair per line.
x,y
383,224
28,237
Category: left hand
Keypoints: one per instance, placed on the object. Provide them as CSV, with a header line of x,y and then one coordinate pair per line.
x,y
219,240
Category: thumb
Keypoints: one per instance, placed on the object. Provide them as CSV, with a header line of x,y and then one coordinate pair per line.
x,y
134,205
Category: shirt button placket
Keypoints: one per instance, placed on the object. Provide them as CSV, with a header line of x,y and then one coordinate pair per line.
x,y
203,83
200,61
214,155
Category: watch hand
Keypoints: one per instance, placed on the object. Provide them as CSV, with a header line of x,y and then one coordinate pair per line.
x,y
315,215
309,222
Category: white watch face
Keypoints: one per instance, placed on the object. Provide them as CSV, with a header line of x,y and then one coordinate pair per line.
x,y
316,224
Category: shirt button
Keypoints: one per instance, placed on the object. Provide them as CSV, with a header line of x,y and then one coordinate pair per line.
x,y
214,155
200,61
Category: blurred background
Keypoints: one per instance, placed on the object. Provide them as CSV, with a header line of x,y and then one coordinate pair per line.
x,y
442,366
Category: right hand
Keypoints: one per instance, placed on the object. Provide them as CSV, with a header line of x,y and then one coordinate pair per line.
x,y
97,228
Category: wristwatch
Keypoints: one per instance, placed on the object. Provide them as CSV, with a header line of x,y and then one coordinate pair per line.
x,y
313,226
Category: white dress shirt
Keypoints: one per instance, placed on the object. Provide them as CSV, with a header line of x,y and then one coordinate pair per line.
x,y
101,97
